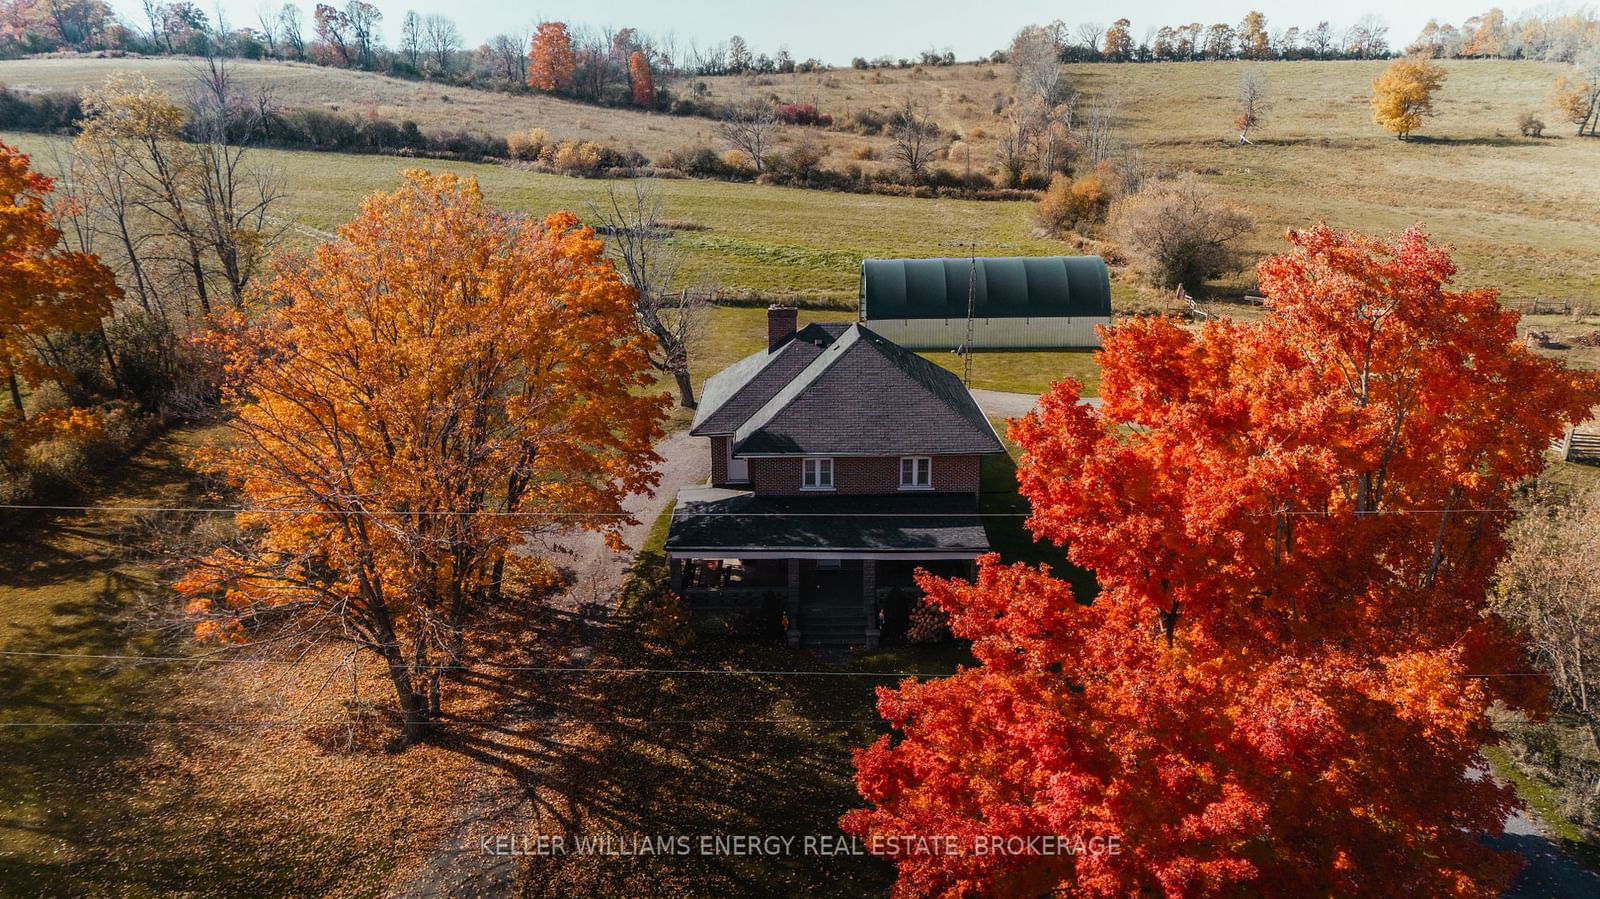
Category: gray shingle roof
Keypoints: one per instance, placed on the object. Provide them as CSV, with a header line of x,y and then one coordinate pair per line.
x,y
729,521
730,396
865,395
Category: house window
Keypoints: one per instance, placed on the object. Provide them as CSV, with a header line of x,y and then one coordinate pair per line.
x,y
816,474
916,473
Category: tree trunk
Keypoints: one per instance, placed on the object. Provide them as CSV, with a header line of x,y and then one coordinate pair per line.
x,y
199,280
685,388
413,704
16,398
111,361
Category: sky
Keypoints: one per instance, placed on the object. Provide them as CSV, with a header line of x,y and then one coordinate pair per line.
x,y
836,30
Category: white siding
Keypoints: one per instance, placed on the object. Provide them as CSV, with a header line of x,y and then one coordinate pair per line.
x,y
990,333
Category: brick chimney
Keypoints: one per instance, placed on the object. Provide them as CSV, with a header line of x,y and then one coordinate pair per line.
x,y
781,324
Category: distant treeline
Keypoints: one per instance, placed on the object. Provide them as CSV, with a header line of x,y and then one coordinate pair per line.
x,y
1548,36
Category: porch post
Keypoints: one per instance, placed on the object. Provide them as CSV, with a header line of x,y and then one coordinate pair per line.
x,y
675,575
869,599
794,602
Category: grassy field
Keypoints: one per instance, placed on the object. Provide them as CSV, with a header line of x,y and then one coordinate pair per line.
x,y
792,243
1519,210
434,107
144,779
785,240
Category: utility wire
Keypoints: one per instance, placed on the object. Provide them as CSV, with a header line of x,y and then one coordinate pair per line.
x,y
743,672
485,666
265,724
231,510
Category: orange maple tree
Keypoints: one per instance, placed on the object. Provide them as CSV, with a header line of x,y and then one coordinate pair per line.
x,y
426,395
44,288
1281,686
551,60
641,79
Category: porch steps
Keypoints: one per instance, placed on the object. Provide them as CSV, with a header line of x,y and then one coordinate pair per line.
x,y
833,626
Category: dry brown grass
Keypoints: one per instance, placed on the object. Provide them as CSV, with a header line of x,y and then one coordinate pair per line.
x,y
1520,210
433,106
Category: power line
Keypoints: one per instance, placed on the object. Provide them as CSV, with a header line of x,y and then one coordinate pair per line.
x,y
745,672
231,510
269,723
234,510
554,669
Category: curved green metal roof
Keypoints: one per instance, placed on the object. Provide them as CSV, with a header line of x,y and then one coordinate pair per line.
x,y
1009,287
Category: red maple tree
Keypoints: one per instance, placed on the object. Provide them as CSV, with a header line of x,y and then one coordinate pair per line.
x,y
641,79
1280,685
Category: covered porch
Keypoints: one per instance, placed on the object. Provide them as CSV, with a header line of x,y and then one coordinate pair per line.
x,y
830,572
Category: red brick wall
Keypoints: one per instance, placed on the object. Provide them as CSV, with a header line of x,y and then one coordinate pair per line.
x,y
780,475
719,460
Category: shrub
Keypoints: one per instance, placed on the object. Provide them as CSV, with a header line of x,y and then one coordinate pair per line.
x,y
56,465
802,114
524,145
801,159
576,157
39,110
1530,125
46,396
865,151
1069,203
1178,233
736,161
667,619
869,121
699,161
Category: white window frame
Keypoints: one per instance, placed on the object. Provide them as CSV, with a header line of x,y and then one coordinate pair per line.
x,y
922,465
812,469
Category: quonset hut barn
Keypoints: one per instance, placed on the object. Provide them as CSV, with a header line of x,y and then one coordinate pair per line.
x,y
1034,302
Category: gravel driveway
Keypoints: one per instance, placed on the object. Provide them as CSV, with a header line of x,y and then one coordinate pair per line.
x,y
1013,405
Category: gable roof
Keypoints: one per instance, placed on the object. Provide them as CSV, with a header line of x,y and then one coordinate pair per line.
x,y
1009,287
865,395
730,396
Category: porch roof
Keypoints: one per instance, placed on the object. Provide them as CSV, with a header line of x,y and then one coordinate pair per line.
x,y
712,522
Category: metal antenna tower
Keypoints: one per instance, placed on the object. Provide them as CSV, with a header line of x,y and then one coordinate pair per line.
x,y
972,300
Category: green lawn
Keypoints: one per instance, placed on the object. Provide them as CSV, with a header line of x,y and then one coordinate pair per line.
x,y
148,807
785,241
733,332
66,581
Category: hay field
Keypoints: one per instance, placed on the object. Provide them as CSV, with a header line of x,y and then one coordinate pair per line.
x,y
1521,211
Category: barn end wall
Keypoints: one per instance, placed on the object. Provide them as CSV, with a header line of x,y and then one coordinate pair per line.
x,y
991,333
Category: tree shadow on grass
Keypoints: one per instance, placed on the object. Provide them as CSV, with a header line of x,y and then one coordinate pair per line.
x,y
652,748
1477,141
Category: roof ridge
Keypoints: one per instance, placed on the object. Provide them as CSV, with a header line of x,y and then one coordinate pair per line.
x,y
767,357
796,386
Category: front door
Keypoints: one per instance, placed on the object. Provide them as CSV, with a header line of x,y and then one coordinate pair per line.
x,y
738,469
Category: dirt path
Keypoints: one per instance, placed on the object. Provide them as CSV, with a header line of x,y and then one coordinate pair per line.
x,y
457,867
